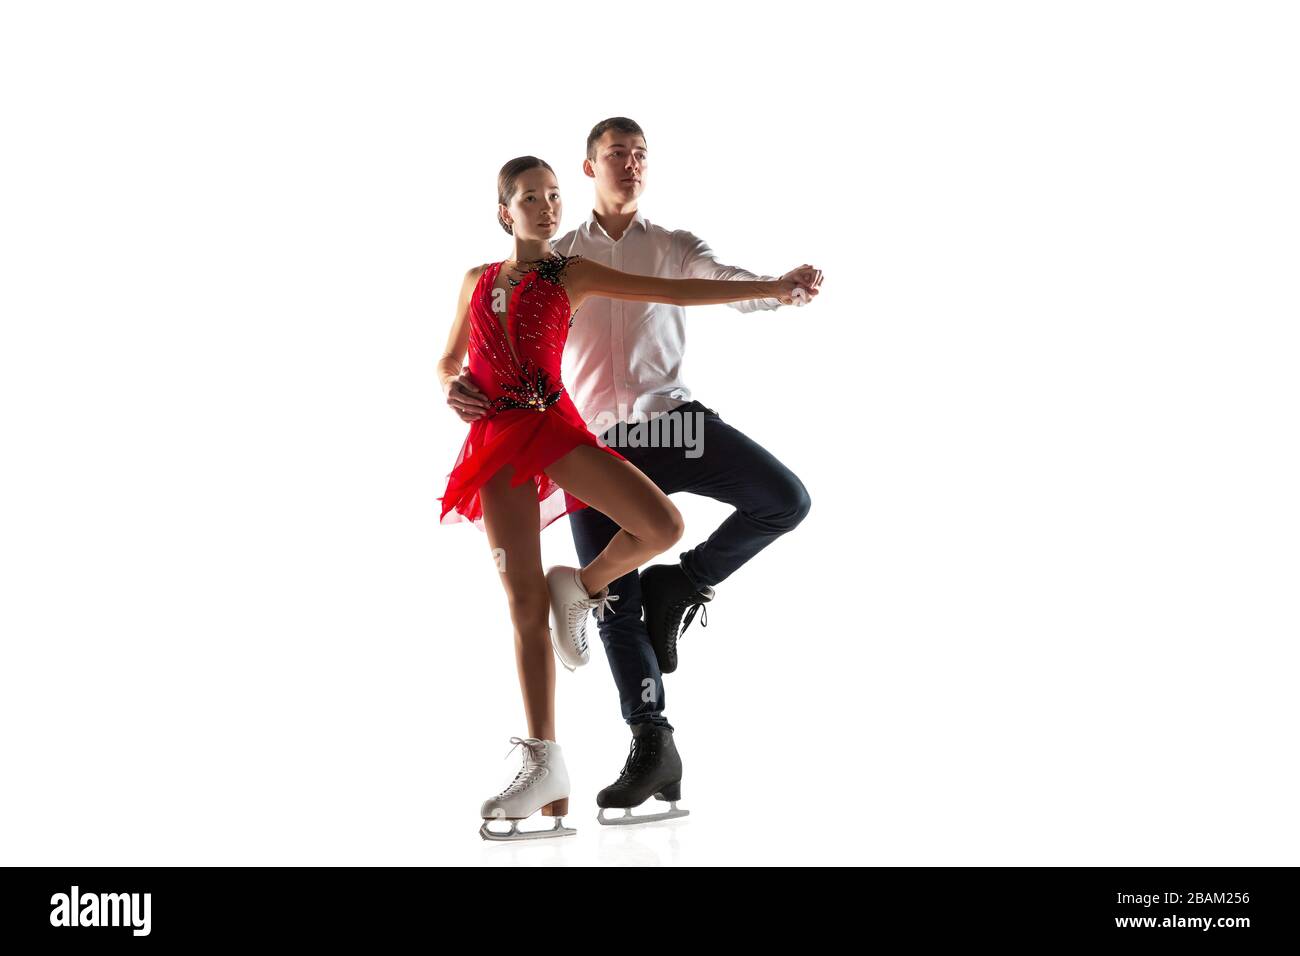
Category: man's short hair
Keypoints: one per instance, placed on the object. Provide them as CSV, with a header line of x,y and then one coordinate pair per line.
x,y
620,124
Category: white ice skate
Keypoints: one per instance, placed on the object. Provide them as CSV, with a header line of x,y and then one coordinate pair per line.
x,y
570,603
542,784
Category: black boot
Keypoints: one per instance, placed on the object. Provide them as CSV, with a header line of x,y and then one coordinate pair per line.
x,y
666,593
653,768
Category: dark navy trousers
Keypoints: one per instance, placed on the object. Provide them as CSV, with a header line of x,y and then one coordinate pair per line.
x,y
769,500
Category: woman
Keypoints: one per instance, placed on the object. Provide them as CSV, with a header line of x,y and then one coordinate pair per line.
x,y
527,441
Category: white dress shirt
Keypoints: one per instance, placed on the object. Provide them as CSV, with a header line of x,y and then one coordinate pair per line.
x,y
623,359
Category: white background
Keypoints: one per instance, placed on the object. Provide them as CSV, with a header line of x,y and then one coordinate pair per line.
x,y
1043,609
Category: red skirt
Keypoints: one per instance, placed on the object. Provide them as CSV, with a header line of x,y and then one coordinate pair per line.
x,y
531,442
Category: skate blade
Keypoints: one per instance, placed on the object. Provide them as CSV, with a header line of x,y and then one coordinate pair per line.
x,y
627,819
514,834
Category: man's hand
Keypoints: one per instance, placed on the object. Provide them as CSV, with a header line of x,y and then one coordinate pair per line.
x,y
464,397
808,278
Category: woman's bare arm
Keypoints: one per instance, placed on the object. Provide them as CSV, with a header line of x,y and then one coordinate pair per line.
x,y
585,278
463,396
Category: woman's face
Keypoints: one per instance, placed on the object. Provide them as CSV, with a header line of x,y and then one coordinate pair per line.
x,y
535,209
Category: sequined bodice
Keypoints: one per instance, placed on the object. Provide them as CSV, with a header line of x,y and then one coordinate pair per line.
x,y
515,354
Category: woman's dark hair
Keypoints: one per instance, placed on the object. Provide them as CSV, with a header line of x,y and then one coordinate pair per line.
x,y
509,174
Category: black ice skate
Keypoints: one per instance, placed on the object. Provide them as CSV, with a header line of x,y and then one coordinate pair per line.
x,y
653,768
666,594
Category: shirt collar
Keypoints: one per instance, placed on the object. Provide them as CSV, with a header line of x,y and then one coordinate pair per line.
x,y
594,224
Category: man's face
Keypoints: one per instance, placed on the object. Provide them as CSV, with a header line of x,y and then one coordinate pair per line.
x,y
619,167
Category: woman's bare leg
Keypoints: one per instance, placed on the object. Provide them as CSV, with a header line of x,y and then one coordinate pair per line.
x,y
511,518
649,523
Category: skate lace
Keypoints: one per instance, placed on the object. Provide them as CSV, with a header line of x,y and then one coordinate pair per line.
x,y
578,615
677,621
578,624
640,755
601,602
534,752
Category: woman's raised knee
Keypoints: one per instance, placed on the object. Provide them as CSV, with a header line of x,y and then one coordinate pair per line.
x,y
666,530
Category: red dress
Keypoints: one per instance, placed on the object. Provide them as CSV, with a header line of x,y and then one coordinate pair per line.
x,y
532,421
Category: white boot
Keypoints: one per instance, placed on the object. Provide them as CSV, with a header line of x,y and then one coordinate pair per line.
x,y
570,603
542,784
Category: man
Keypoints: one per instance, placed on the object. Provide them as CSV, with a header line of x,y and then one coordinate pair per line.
x,y
623,365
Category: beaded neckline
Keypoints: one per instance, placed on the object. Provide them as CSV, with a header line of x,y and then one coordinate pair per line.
x,y
550,269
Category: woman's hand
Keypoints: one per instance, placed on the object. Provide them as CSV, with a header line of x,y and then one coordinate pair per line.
x,y
464,397
783,290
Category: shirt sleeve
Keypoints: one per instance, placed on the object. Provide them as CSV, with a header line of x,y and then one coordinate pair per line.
x,y
699,262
